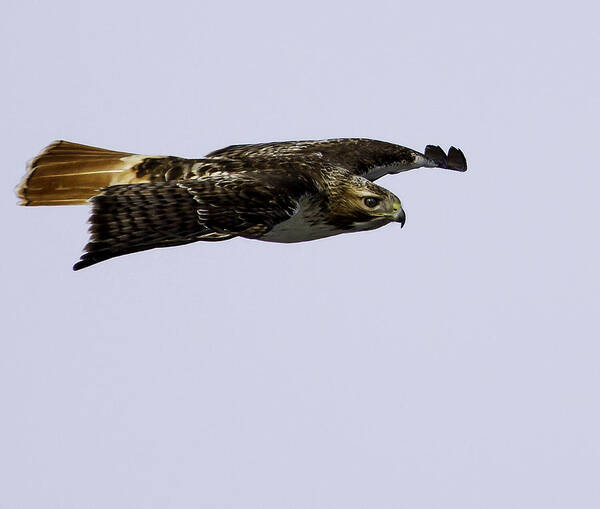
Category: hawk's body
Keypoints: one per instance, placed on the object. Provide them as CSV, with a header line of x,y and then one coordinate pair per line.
x,y
279,192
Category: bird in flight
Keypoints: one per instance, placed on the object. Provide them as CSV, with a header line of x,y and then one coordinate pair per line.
x,y
279,192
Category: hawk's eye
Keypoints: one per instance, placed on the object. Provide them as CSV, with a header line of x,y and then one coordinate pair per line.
x,y
371,202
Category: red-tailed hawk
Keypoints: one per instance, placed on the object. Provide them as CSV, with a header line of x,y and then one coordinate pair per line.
x,y
279,192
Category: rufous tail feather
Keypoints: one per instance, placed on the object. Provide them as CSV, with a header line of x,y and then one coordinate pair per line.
x,y
66,173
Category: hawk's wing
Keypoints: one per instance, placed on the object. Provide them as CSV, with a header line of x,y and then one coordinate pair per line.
x,y
246,204
433,157
136,217
371,159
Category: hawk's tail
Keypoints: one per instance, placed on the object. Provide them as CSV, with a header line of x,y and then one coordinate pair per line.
x,y
66,173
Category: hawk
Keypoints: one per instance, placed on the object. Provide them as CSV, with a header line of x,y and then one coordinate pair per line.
x,y
279,192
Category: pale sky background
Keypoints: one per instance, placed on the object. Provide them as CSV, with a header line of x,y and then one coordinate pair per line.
x,y
451,364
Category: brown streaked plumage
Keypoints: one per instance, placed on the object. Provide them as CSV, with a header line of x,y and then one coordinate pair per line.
x,y
278,192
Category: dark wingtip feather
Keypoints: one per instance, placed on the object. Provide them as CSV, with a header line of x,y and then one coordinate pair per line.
x,y
437,155
456,160
91,258
80,265
93,254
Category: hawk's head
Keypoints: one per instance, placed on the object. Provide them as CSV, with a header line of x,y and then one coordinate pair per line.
x,y
357,205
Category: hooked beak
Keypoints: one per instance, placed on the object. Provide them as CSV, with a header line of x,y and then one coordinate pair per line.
x,y
400,217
